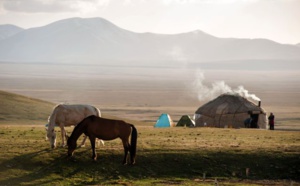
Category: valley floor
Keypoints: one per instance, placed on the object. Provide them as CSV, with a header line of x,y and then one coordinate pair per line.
x,y
143,93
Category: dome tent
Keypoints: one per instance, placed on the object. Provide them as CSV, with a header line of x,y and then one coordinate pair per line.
x,y
164,120
185,120
230,110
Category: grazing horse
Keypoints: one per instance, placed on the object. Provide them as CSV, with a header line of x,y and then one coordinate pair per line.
x,y
68,115
106,129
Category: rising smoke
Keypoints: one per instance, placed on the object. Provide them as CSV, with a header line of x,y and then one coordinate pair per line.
x,y
217,88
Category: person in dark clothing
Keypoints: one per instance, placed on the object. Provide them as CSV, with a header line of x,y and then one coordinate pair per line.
x,y
247,122
271,119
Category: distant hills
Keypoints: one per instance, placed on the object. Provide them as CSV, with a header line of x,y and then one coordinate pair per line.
x,y
96,40
7,31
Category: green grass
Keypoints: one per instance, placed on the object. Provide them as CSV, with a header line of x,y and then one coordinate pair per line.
x,y
174,156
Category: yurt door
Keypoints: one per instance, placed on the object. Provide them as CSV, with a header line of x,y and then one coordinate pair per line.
x,y
254,120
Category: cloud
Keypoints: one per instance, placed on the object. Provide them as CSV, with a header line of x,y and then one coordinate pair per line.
x,y
178,1
51,6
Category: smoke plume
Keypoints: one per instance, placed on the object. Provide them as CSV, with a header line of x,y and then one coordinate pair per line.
x,y
217,88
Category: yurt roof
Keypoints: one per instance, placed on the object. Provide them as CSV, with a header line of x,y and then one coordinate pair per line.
x,y
228,104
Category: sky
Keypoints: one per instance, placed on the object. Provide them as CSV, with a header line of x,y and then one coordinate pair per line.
x,y
277,20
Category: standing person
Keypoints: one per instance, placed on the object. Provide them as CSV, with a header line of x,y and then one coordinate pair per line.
x,y
271,121
247,122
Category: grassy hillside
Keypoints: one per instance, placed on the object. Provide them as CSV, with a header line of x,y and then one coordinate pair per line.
x,y
18,109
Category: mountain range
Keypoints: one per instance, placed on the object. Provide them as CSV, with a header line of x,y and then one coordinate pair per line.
x,y
9,30
96,40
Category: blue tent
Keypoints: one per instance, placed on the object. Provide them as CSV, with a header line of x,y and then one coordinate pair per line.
x,y
164,120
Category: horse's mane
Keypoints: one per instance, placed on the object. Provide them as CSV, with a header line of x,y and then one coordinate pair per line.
x,y
79,128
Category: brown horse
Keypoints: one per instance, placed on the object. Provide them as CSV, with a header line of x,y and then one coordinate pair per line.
x,y
105,129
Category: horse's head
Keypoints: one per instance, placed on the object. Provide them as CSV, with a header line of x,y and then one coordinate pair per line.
x,y
71,145
52,138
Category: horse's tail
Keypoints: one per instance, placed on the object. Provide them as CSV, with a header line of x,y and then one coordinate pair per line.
x,y
133,142
98,113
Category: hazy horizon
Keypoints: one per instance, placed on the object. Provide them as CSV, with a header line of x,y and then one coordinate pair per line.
x,y
158,72
276,20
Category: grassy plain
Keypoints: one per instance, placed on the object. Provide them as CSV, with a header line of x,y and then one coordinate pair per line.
x,y
143,93
174,156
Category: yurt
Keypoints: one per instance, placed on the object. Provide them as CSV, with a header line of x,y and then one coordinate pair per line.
x,y
230,111
185,120
164,120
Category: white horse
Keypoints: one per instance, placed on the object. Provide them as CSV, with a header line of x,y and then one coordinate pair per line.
x,y
68,115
